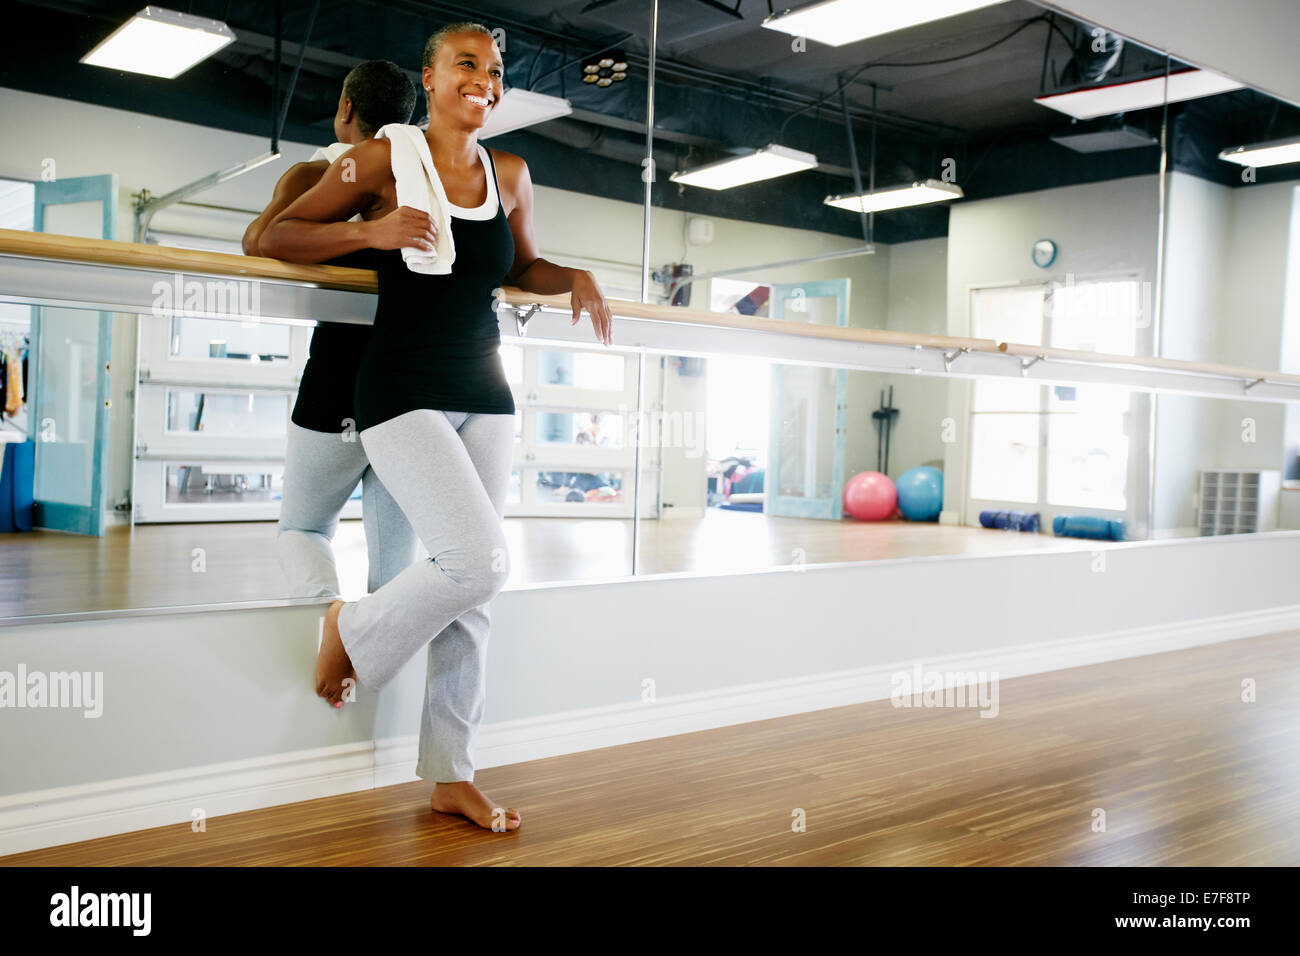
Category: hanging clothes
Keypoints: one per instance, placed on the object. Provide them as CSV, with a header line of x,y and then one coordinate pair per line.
x,y
14,385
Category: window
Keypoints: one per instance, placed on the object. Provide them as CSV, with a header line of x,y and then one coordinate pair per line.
x,y
1053,447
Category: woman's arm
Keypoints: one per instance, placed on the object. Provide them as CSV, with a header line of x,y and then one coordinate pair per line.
x,y
299,178
534,274
314,227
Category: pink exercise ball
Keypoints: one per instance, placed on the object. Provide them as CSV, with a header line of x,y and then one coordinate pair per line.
x,y
870,496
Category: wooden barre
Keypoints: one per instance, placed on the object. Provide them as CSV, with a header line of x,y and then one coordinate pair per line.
x,y
141,256
1149,361
730,320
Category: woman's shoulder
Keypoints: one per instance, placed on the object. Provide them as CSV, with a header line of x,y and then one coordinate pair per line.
x,y
373,159
507,164
511,171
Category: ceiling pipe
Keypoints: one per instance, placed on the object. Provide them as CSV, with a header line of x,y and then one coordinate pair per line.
x,y
146,207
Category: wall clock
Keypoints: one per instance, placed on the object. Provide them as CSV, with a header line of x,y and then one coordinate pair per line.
x,y
1044,253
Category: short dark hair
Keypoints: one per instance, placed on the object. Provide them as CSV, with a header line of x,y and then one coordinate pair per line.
x,y
381,93
434,42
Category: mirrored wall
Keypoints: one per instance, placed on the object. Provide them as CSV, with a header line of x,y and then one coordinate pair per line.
x,y
968,177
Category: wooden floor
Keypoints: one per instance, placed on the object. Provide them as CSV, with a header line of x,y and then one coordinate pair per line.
x,y
1186,773
154,565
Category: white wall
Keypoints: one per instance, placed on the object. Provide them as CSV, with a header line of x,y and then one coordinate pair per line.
x,y
1198,217
918,303
1186,441
1226,275
1291,343
1253,294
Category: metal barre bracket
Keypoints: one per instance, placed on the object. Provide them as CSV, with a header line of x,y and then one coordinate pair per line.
x,y
522,315
950,357
1025,366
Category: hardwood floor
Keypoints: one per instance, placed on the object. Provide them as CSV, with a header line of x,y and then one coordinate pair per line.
x,y
154,566
1186,773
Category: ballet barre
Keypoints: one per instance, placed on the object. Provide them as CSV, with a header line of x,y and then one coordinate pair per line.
x,y
52,270
789,341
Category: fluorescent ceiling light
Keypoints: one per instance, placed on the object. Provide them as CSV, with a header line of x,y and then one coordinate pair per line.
x,y
519,108
767,163
837,22
1273,153
1139,94
899,197
160,42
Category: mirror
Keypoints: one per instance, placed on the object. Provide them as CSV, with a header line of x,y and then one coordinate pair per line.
x,y
984,212
1041,220
1063,237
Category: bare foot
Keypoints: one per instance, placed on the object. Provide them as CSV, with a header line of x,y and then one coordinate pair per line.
x,y
467,800
332,663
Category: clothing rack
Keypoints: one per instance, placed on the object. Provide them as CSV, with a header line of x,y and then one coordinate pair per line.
x,y
15,340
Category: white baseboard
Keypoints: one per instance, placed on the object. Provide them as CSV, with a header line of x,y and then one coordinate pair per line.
x,y
46,818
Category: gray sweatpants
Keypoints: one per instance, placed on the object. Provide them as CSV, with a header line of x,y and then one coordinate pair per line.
x,y
321,469
449,472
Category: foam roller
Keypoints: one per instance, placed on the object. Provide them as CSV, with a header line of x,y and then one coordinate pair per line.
x,y
1088,526
1017,520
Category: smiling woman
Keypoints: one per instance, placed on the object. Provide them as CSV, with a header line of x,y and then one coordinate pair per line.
x,y
433,406
467,60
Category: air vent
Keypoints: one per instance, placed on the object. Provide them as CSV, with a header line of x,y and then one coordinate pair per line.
x,y
1105,140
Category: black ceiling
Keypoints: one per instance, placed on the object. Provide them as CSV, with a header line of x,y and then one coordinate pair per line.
x,y
960,88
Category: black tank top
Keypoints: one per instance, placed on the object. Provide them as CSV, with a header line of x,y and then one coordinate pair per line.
x,y
435,339
329,378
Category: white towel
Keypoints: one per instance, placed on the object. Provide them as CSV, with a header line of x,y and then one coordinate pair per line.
x,y
420,187
330,154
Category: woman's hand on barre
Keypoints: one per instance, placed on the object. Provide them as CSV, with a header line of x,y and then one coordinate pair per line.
x,y
586,294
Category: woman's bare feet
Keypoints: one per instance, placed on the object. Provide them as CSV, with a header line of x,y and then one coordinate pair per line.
x,y
467,800
332,664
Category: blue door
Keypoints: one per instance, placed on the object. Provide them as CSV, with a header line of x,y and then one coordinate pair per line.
x,y
68,371
805,475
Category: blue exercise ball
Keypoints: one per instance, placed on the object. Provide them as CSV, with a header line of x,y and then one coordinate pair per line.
x,y
920,493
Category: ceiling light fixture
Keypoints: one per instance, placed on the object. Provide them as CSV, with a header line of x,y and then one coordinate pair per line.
x,y
767,163
605,69
899,197
1138,94
519,108
160,42
839,22
1273,153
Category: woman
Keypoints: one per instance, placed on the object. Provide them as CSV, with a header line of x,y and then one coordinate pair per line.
x,y
323,459
434,410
